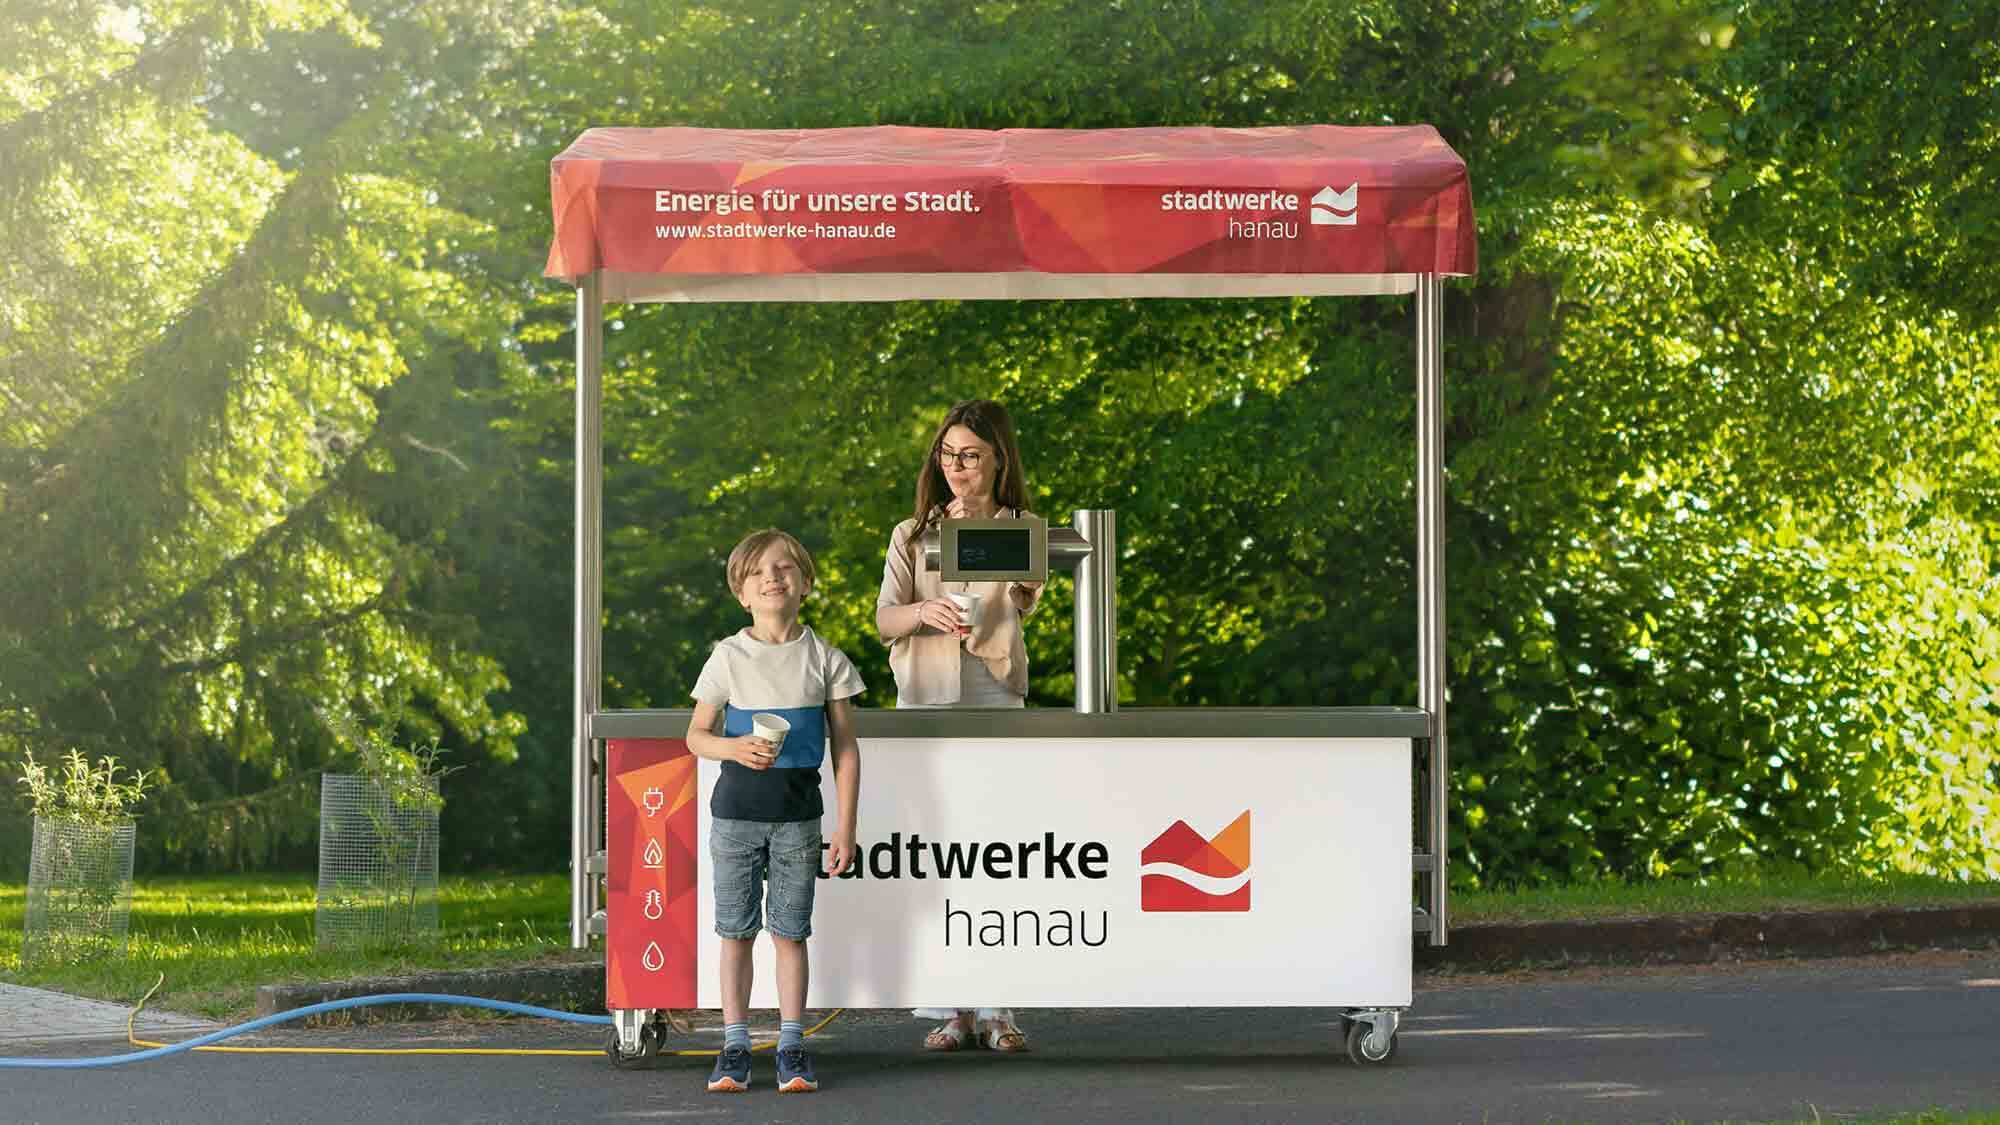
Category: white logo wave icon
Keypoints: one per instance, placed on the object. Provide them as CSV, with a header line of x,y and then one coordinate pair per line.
x,y
1206,884
1332,208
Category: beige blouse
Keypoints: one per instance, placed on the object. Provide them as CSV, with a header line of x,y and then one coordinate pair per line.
x,y
926,662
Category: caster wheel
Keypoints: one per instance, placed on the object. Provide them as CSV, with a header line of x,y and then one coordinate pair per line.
x,y
1361,1047
649,1050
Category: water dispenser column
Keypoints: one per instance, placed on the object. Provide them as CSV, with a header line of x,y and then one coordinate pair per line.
x,y
1097,612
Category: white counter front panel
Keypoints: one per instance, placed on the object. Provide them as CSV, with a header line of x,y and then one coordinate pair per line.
x,y
1122,872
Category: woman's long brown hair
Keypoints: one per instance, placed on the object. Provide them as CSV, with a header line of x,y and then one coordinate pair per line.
x,y
989,420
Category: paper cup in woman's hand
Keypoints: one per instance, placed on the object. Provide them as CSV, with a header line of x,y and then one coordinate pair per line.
x,y
968,609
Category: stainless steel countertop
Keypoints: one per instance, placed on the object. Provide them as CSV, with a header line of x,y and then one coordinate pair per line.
x,y
1051,722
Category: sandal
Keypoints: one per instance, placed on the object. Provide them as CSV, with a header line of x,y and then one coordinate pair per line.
x,y
1004,1037
947,1036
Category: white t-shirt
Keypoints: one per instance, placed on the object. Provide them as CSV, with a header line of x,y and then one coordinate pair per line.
x,y
796,680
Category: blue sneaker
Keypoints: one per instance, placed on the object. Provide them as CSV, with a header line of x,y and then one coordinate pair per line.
x,y
795,1071
732,1071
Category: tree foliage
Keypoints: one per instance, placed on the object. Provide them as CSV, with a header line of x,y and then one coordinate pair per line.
x,y
284,414
195,489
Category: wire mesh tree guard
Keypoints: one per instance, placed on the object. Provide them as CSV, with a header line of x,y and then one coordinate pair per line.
x,y
378,865
79,890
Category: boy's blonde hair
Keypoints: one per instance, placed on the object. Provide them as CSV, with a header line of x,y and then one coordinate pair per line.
x,y
752,548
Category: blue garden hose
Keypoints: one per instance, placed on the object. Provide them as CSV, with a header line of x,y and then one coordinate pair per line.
x,y
302,1013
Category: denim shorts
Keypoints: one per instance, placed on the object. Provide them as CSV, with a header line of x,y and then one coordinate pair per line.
x,y
780,859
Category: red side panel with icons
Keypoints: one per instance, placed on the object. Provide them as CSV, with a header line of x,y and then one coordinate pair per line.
x,y
652,834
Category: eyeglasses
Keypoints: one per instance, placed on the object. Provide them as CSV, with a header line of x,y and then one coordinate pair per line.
x,y
964,458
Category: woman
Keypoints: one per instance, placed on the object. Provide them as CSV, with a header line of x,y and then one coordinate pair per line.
x,y
971,471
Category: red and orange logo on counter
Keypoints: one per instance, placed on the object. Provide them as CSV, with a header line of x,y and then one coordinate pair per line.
x,y
1181,871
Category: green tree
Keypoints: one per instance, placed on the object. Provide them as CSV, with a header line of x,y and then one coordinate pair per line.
x,y
1667,653
199,488
1721,493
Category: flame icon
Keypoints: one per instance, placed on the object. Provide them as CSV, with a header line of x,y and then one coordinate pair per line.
x,y
654,960
653,853
652,908
654,799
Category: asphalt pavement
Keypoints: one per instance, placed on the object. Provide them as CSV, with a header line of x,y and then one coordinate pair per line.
x,y
1780,1040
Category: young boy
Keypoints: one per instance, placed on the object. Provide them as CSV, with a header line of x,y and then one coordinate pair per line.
x,y
765,812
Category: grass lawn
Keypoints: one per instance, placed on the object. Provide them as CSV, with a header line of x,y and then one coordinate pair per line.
x,y
1745,894
218,937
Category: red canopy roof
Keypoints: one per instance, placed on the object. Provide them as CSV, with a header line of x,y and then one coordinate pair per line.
x,y
890,211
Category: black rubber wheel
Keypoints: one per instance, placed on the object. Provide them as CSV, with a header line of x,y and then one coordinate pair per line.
x,y
649,1050
1358,1049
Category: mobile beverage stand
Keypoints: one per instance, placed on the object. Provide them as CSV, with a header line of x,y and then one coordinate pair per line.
x,y
1088,857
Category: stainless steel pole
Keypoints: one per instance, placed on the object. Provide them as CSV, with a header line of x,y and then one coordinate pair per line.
x,y
1430,584
1097,612
589,600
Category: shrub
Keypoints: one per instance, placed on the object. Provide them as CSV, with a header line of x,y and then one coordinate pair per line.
x,y
82,793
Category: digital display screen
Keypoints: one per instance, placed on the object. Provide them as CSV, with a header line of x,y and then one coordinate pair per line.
x,y
993,549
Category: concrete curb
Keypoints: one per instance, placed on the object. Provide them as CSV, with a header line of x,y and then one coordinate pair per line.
x,y
570,987
1703,938
1673,939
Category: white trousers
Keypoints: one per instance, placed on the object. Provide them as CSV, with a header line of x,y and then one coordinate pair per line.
x,y
976,688
1001,1015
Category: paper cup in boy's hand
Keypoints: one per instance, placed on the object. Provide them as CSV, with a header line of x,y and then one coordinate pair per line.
x,y
771,728
968,609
